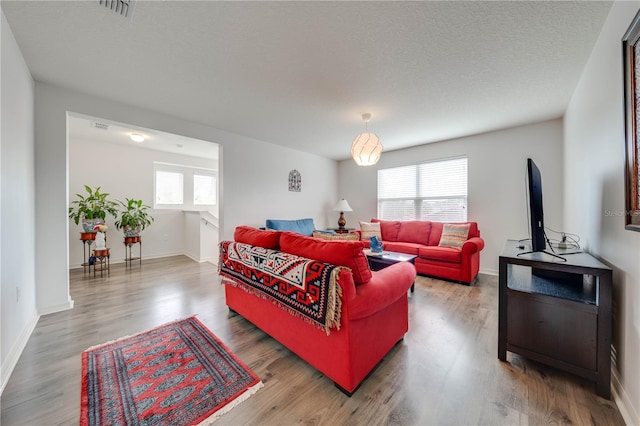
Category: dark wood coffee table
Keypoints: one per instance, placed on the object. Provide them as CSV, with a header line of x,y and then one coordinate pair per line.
x,y
379,261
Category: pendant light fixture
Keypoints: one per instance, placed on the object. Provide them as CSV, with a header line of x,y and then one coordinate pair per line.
x,y
366,147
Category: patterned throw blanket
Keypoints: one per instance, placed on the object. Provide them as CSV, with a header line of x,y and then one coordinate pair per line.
x,y
305,288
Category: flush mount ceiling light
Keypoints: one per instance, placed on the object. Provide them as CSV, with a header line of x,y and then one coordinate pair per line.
x,y
136,137
366,147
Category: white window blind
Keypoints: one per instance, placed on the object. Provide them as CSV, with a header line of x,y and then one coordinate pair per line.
x,y
430,191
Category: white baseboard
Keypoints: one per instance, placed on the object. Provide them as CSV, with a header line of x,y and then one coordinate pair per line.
x,y
212,259
488,271
14,354
115,261
56,308
622,400
192,257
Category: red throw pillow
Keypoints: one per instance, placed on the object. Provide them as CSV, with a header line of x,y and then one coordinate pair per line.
x,y
343,253
256,237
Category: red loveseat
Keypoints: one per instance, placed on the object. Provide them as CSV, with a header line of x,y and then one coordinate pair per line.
x,y
374,305
422,238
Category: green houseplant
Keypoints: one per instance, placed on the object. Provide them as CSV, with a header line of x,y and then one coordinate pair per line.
x,y
92,208
134,217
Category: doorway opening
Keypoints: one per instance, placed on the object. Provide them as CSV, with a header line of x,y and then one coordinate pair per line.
x,y
121,159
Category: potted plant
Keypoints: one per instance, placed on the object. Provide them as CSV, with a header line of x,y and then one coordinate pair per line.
x,y
134,217
92,209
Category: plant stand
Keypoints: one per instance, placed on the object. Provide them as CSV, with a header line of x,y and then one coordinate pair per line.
x,y
102,261
128,256
87,239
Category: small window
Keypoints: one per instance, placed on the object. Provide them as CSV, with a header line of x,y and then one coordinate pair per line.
x,y
182,187
204,189
169,187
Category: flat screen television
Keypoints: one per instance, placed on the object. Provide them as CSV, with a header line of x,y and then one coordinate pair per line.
x,y
536,215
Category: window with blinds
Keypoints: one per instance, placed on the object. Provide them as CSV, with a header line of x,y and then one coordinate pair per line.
x,y
430,191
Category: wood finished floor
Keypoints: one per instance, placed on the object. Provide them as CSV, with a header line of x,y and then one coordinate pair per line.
x,y
446,371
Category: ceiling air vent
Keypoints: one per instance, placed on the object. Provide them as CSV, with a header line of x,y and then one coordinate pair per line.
x,y
121,7
101,126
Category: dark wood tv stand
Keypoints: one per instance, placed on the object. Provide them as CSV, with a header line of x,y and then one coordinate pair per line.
x,y
557,313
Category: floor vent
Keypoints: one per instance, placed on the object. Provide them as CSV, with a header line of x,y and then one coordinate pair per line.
x,y
121,7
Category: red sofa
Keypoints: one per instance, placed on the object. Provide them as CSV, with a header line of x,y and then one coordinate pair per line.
x,y
422,238
374,312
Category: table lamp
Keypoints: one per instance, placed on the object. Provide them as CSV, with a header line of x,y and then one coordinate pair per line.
x,y
342,207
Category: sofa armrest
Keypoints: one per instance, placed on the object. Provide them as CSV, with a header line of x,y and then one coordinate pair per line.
x,y
472,245
386,286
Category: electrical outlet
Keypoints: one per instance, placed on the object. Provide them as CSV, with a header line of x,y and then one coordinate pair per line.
x,y
563,244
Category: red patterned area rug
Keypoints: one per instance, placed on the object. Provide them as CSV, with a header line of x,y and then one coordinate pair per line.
x,y
176,374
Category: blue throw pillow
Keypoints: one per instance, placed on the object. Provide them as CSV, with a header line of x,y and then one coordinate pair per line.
x,y
301,226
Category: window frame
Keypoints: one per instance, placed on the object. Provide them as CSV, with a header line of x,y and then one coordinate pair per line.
x,y
188,172
417,200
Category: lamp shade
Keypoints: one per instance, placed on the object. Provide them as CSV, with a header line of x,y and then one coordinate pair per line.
x,y
342,206
366,149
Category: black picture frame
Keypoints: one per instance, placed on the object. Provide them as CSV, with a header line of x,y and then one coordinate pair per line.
x,y
631,69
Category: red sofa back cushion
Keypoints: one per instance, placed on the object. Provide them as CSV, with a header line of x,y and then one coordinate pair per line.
x,y
415,231
256,237
343,253
388,229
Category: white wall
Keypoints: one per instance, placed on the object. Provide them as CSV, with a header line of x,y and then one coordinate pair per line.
x,y
209,239
126,171
253,179
258,186
594,184
201,237
496,175
17,204
191,237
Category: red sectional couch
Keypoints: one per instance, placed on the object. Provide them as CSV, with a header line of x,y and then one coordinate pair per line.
x,y
422,238
374,305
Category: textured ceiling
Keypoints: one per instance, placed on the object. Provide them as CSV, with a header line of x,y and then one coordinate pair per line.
x,y
300,74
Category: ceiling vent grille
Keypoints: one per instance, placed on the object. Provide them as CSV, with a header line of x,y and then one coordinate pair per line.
x,y
101,126
121,7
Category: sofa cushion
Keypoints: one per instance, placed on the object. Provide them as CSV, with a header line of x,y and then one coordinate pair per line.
x,y
414,231
343,253
436,232
400,247
445,254
368,230
301,226
389,229
256,237
454,235
336,237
